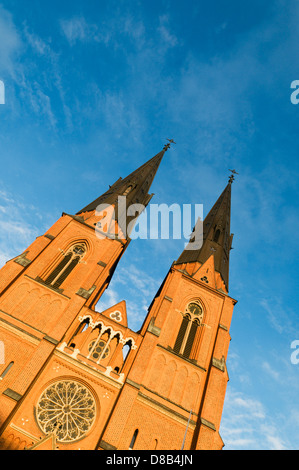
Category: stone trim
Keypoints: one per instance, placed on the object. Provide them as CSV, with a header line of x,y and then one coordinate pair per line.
x,y
207,423
51,237
106,446
219,363
22,260
101,263
86,293
134,384
180,356
168,410
155,330
20,331
51,340
12,394
48,286
166,399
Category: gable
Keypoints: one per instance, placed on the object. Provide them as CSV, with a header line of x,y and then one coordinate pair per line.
x,y
117,313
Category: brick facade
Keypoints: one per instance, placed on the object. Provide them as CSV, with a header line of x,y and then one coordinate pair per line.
x,y
68,375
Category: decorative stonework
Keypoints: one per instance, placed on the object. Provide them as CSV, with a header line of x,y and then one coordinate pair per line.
x,y
22,260
68,405
116,316
86,293
105,328
99,348
219,363
152,328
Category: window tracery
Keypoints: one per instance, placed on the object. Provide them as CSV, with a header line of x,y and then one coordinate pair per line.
x,y
68,405
70,260
98,349
192,319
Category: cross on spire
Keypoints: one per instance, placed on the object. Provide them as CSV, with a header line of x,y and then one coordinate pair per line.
x,y
167,146
232,176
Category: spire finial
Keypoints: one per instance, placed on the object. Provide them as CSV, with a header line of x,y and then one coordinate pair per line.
x,y
232,176
167,146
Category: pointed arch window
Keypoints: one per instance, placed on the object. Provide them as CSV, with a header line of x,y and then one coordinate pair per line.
x,y
66,266
216,235
6,370
128,190
81,328
192,319
133,441
99,348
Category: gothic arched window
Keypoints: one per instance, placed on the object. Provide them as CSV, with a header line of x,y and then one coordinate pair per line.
x,y
98,349
128,190
192,319
71,406
70,260
6,370
216,236
133,439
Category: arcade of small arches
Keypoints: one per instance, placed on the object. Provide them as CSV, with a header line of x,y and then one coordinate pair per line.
x,y
87,321
101,346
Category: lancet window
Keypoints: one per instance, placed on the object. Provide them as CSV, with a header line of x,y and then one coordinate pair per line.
x,y
70,260
192,319
6,370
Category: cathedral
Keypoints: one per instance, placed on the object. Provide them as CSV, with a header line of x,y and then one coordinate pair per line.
x,y
74,378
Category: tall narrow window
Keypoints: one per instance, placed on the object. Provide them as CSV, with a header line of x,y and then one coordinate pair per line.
x,y
128,190
191,338
133,441
6,370
216,236
66,266
182,333
126,351
81,328
191,321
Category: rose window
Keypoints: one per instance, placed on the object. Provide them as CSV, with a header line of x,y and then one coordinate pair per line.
x,y
68,408
96,350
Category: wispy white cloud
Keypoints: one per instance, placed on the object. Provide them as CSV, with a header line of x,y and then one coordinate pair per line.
x,y
280,317
134,286
32,88
247,425
271,371
10,43
168,39
42,92
77,29
17,229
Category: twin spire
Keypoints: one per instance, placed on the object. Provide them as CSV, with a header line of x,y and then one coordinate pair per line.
x,y
216,240
135,186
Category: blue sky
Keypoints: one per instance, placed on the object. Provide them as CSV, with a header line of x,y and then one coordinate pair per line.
x,y
92,91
